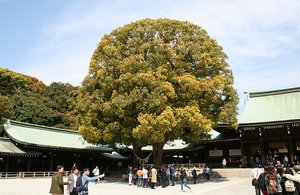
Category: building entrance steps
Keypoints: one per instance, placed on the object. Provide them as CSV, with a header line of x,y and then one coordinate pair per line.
x,y
233,172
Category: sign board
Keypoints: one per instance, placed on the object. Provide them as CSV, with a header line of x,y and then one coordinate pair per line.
x,y
283,150
216,153
235,152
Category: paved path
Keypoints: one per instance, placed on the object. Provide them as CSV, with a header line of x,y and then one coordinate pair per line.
x,y
235,186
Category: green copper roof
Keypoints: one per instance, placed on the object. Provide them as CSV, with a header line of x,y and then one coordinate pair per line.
x,y
48,137
271,106
8,148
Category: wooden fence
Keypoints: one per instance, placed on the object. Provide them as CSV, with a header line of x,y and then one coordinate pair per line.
x,y
40,174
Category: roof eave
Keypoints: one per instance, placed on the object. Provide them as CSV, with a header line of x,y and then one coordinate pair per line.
x,y
282,122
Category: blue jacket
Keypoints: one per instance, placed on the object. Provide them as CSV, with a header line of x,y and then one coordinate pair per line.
x,y
85,182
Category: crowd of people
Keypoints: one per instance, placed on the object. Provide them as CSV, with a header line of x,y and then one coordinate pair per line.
x,y
77,183
152,176
145,176
276,180
163,176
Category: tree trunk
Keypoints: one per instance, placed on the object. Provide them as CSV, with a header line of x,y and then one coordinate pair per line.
x,y
137,152
158,153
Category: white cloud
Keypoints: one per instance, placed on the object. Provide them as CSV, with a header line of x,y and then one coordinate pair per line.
x,y
254,34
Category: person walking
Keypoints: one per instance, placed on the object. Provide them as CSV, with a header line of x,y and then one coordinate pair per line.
x,y
194,173
57,183
153,177
288,186
140,177
207,172
130,174
272,181
159,176
255,174
96,173
286,160
74,177
164,177
295,178
168,174
183,179
224,163
86,179
173,174
145,177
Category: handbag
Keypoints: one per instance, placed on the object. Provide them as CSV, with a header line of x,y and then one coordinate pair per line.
x,y
254,182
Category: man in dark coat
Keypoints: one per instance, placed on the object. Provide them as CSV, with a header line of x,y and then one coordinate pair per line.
x,y
57,184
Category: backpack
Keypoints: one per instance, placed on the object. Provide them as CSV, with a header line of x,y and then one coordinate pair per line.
x,y
289,186
297,188
261,181
273,186
79,185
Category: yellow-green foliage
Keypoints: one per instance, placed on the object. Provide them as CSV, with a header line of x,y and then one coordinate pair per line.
x,y
152,81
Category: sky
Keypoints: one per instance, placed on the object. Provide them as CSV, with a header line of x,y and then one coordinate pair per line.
x,y
53,40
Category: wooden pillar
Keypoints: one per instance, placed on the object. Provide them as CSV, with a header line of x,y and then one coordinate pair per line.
x,y
28,164
263,151
243,153
51,161
6,164
291,149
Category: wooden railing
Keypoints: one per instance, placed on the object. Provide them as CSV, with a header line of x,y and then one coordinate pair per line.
x,y
39,174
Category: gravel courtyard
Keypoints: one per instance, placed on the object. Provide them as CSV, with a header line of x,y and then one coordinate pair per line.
x,y
235,186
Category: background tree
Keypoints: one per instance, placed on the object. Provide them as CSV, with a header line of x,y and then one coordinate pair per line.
x,y
26,99
154,81
60,94
11,82
6,107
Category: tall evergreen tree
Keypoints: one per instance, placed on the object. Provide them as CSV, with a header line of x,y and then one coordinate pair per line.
x,y
153,81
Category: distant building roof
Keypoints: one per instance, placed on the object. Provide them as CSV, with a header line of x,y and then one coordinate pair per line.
x,y
8,148
271,106
49,137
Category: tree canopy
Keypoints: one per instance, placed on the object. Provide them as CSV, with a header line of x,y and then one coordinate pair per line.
x,y
6,106
26,99
153,81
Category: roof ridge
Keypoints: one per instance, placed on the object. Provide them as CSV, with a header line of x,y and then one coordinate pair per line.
x,y
274,92
9,121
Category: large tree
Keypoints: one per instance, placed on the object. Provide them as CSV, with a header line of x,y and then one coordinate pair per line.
x,y
153,81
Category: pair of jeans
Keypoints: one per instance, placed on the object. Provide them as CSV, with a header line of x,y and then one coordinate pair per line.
x,y
184,183
207,175
140,181
145,182
130,179
173,180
